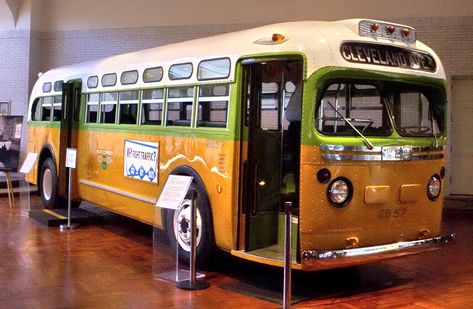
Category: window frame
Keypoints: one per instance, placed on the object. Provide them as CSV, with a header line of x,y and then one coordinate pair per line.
x,y
152,81
96,77
47,87
216,78
129,72
105,103
106,75
155,101
87,104
128,102
181,64
191,99
210,99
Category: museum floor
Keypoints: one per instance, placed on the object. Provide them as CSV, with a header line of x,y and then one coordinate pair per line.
x,y
110,266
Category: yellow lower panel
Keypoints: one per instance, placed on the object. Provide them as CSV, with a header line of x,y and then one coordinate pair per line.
x,y
381,219
101,161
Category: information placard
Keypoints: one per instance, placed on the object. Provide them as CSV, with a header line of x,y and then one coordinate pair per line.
x,y
174,191
71,157
141,160
28,163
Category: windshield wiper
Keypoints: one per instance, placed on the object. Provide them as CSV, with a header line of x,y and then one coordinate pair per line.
x,y
365,140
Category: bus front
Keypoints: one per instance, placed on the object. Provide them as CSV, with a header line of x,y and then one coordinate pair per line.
x,y
372,150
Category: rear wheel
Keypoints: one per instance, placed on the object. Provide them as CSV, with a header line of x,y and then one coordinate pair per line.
x,y
178,227
48,184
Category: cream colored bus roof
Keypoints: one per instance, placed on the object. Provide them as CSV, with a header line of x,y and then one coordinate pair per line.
x,y
318,41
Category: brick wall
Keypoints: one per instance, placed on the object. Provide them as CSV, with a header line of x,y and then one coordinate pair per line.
x,y
14,72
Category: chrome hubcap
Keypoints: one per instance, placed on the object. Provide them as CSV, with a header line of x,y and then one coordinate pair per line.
x,y
182,223
47,184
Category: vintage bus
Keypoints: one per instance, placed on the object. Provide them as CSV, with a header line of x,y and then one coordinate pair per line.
x,y
346,120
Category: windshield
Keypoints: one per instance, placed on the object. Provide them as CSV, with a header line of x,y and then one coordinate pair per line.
x,y
417,111
348,107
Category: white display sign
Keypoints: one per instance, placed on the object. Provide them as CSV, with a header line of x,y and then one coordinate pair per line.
x,y
28,163
71,157
174,191
141,160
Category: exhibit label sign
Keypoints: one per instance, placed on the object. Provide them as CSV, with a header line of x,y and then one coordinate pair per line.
x,y
385,55
141,160
174,191
29,163
71,157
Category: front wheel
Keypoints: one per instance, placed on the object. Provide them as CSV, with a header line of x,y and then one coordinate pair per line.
x,y
48,184
179,232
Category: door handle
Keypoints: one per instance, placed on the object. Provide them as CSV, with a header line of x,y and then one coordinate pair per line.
x,y
255,190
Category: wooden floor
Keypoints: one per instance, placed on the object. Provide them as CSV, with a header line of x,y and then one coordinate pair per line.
x,y
111,265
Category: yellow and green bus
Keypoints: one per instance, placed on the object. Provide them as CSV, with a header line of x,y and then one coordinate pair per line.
x,y
346,120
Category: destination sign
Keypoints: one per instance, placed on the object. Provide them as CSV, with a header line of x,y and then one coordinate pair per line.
x,y
385,55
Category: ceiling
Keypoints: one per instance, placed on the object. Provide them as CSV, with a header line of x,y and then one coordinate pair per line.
x,y
8,13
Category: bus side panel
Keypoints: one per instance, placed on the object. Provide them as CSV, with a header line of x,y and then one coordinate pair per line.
x,y
101,164
38,136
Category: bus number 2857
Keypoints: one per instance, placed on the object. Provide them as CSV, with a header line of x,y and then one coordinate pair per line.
x,y
389,213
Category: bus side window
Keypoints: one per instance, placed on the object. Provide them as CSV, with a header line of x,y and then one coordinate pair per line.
x,y
46,107
36,110
108,106
213,106
179,106
128,107
77,103
152,106
57,107
92,108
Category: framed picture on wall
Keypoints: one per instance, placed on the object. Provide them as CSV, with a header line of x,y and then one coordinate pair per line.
x,y
4,107
10,140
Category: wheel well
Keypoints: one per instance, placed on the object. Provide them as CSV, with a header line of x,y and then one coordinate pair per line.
x,y
186,170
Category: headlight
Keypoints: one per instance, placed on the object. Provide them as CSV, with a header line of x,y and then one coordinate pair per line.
x,y
339,192
434,187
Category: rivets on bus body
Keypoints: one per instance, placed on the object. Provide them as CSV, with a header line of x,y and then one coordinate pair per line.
x,y
323,175
442,172
351,242
423,234
219,189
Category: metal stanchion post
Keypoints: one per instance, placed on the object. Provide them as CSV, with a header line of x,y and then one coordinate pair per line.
x,y
192,256
69,225
287,293
193,283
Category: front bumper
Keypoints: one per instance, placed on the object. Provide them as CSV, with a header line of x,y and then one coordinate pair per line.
x,y
358,256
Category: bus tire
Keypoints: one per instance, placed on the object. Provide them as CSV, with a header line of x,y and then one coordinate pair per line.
x,y
178,223
48,184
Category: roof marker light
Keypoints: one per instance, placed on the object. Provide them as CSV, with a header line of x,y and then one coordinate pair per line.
x,y
390,29
277,37
405,32
374,27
